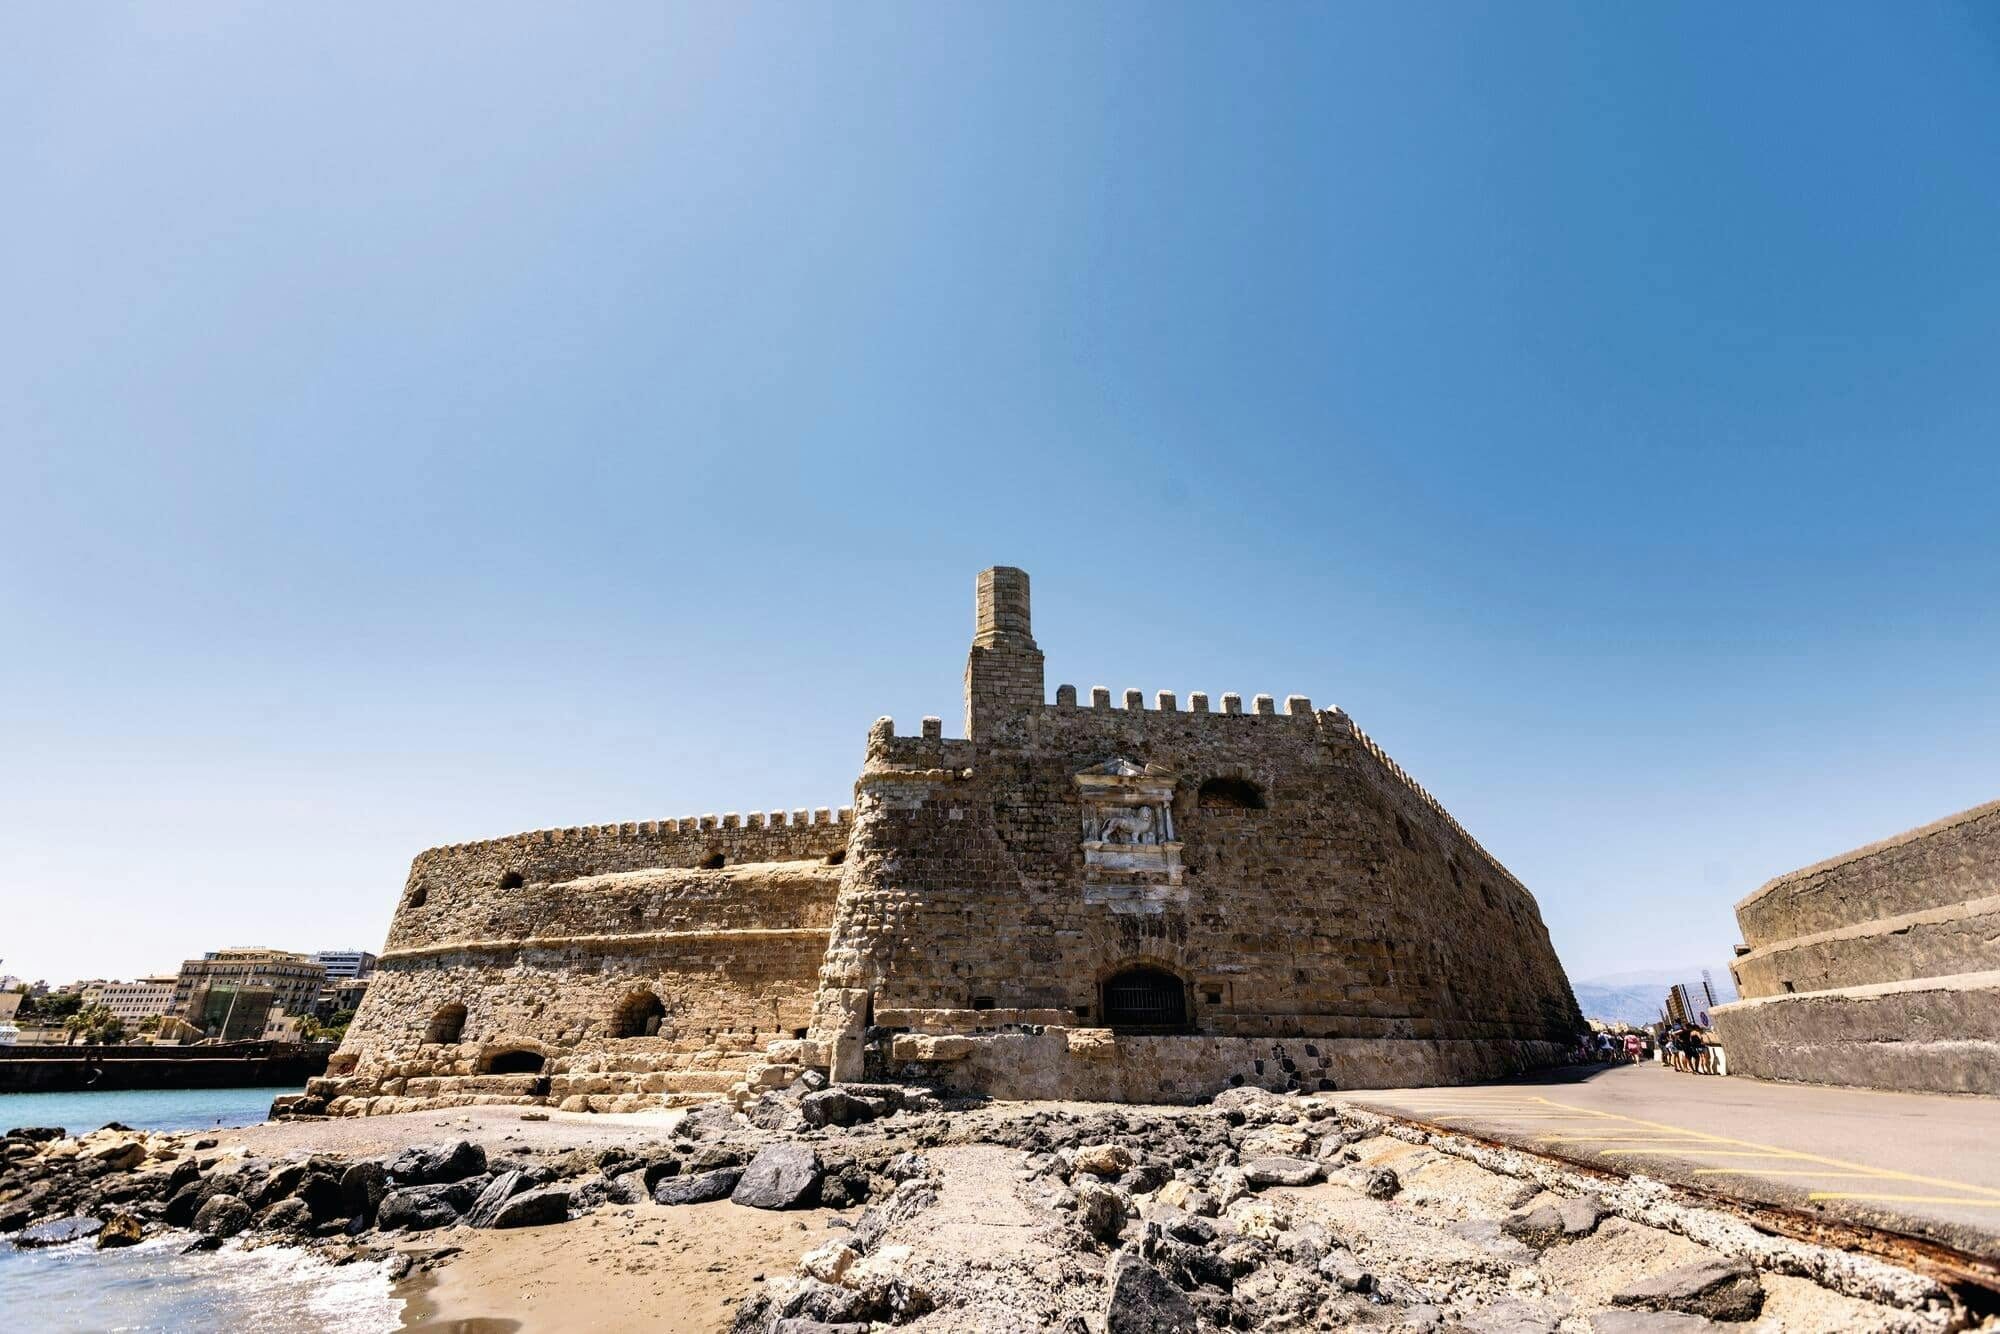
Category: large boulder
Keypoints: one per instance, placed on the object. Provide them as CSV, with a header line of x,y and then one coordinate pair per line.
x,y
498,1191
1100,1210
1145,1301
534,1208
1550,1220
419,1208
116,1154
280,1182
429,1164
1104,1160
1716,1288
835,1107
221,1216
362,1187
627,1188
120,1230
699,1188
781,1176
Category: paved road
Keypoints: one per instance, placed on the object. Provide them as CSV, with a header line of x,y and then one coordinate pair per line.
x,y
1922,1164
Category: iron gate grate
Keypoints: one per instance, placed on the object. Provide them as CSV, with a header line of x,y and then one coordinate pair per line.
x,y
1145,998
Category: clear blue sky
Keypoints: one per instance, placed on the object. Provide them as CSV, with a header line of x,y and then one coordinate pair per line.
x,y
421,424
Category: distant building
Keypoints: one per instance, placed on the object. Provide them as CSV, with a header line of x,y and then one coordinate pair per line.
x,y
135,1001
344,963
293,980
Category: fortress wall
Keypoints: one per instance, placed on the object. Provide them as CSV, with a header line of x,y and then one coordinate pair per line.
x,y
1313,915
451,890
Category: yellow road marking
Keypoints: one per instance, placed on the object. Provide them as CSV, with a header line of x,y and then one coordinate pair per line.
x,y
1783,1172
1708,1153
1903,1199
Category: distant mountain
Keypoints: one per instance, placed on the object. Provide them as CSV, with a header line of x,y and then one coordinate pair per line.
x,y
1638,997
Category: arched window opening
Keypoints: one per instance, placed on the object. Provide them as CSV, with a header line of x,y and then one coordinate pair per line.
x,y
712,862
1230,794
516,1061
836,857
418,897
639,1015
512,880
1144,997
447,1024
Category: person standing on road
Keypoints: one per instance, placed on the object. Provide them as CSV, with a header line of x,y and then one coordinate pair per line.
x,y
1632,1046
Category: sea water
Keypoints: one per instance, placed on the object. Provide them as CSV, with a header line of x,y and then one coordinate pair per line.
x,y
141,1109
152,1286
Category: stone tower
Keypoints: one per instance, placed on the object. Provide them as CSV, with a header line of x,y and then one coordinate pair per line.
x,y
1003,672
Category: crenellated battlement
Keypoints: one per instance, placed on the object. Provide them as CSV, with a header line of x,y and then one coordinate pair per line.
x,y
1166,701
802,817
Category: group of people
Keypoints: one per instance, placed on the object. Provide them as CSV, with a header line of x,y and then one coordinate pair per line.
x,y
1685,1047
1690,1048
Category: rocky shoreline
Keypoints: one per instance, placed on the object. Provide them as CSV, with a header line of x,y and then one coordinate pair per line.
x,y
1257,1211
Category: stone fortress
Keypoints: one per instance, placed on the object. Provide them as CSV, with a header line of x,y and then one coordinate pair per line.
x,y
1133,902
1878,967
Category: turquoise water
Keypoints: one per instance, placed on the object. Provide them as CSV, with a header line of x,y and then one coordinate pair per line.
x,y
152,1286
79,1290
169,1109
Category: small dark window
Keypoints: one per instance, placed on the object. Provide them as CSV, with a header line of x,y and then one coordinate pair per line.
x,y
1145,998
798,1032
982,1003
512,880
519,1061
418,897
446,1025
639,1015
1230,794
1082,1013
1403,832
836,857
712,862
1213,996
1790,988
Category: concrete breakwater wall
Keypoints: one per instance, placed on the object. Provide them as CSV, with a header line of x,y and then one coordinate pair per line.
x,y
1877,967
225,1065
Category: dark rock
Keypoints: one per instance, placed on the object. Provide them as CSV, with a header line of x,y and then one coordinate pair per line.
x,y
711,1120
278,1183
1718,1289
16,1214
429,1164
1554,1220
200,1244
1338,1266
534,1208
221,1216
40,1134
181,1208
58,1232
781,1176
589,1193
290,1215
120,1230
320,1193
835,1107
1381,1183
1100,1210
1145,1301
416,1209
1145,1178
184,1171
1282,1172
628,1188
498,1191
362,1187
698,1189
709,1157
774,1111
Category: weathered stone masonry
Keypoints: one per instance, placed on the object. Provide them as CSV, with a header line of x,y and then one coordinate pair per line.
x,y
1074,899
1877,967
